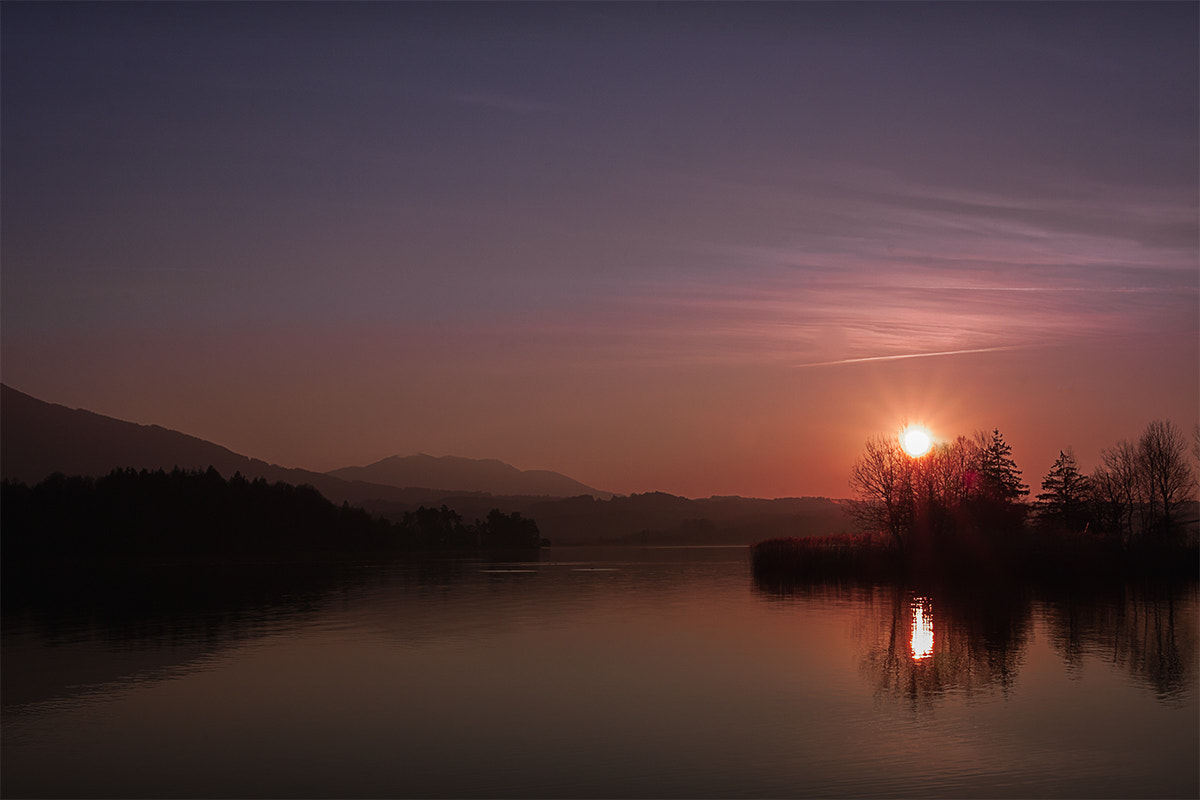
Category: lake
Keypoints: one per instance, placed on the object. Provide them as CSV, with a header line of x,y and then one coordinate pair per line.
x,y
621,672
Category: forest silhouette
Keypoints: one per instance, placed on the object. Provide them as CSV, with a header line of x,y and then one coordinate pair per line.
x,y
191,514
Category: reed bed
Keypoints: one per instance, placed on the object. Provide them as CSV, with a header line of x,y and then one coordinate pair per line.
x,y
1021,555
843,555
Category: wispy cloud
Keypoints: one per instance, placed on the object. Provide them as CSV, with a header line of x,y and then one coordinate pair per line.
x,y
910,355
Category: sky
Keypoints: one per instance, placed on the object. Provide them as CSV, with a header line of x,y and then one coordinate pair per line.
x,y
694,248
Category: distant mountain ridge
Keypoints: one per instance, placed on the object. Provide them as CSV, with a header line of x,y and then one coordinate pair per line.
x,y
38,438
467,474
657,518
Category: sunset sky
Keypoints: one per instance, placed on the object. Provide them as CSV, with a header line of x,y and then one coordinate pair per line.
x,y
702,249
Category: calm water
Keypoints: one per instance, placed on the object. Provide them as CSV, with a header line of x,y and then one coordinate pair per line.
x,y
598,673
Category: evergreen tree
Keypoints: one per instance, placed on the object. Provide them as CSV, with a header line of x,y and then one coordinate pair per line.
x,y
1063,500
999,477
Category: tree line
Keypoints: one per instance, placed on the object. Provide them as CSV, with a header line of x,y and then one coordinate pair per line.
x,y
970,491
1140,489
201,514
444,529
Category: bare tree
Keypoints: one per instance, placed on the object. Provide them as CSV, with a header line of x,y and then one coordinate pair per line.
x,y
1104,502
950,476
1116,488
882,480
1166,478
1139,489
1196,448
900,494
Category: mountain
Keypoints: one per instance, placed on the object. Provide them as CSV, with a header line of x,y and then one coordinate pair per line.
x,y
467,474
38,438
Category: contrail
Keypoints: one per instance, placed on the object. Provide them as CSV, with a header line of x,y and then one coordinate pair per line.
x,y
907,355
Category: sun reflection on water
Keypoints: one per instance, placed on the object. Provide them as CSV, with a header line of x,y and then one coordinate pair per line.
x,y
922,629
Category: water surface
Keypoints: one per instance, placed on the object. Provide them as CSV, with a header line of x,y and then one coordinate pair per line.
x,y
624,672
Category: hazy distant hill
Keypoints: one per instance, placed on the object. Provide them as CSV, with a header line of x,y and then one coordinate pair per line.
x,y
38,438
656,518
467,474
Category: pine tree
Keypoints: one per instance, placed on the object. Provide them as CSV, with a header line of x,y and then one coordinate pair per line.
x,y
1065,491
998,474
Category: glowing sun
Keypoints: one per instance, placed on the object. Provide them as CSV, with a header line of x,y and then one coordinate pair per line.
x,y
915,440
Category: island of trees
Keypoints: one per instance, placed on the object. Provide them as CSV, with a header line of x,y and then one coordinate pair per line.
x,y
962,512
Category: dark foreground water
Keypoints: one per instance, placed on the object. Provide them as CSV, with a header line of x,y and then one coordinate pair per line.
x,y
595,673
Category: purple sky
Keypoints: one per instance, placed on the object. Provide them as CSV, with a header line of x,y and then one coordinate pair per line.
x,y
678,247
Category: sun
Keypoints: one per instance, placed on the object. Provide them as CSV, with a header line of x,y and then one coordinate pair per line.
x,y
915,440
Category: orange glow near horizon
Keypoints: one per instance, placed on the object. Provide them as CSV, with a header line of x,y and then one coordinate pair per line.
x,y
922,630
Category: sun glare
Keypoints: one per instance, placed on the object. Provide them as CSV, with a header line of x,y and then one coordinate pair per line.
x,y
916,440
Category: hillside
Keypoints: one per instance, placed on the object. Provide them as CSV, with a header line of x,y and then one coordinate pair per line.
x,y
39,438
657,518
466,474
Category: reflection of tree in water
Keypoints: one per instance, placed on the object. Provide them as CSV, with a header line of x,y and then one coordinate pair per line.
x,y
96,624
921,644
1152,631
132,602
977,636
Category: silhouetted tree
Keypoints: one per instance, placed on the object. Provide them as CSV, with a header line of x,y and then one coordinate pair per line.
x,y
1196,449
443,529
914,498
998,474
180,514
502,530
1166,478
1138,490
881,480
945,480
186,515
439,529
957,504
1115,489
1064,499
995,507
